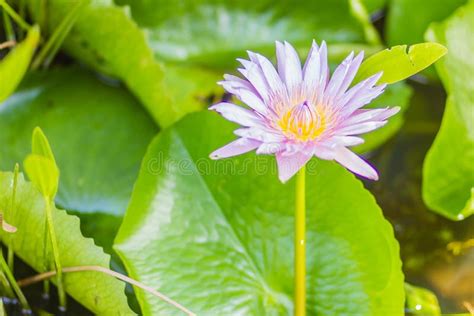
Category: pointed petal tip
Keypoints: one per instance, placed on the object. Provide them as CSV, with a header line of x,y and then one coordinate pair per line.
x,y
283,179
213,156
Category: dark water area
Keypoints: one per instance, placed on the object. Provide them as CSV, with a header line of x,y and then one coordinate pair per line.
x,y
435,251
40,304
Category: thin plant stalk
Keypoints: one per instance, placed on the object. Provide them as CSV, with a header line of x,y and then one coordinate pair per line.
x,y
18,19
300,244
5,285
46,266
7,23
10,254
49,50
55,250
49,274
13,284
22,13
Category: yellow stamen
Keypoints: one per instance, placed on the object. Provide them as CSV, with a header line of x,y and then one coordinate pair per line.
x,y
303,122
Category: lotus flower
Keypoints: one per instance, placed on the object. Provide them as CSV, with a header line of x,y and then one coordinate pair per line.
x,y
297,113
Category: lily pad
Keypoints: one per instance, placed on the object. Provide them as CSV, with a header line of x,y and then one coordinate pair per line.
x,y
217,236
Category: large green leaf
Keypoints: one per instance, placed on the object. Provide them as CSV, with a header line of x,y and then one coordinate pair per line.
x,y
218,236
13,67
400,62
448,171
99,134
214,32
107,39
408,20
100,293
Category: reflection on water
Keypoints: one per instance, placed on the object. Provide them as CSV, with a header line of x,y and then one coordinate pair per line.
x,y
437,253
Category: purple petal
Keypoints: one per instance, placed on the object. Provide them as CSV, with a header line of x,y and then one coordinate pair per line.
x,y
338,77
365,115
354,163
312,71
346,141
237,147
252,100
361,94
281,58
323,57
293,75
233,84
351,73
255,76
289,165
324,152
360,128
260,133
237,114
273,79
270,148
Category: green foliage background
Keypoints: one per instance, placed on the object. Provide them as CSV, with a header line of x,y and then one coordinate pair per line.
x,y
116,96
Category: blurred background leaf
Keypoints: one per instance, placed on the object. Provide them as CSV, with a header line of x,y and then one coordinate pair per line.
x,y
214,33
99,134
407,20
107,39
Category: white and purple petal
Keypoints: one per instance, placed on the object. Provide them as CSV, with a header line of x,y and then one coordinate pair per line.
x,y
289,165
237,147
354,163
237,114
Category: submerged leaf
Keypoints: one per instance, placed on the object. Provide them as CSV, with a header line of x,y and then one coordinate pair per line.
x,y
217,236
398,63
14,66
100,293
448,170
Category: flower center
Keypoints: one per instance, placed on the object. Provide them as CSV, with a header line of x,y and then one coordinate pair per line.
x,y
302,122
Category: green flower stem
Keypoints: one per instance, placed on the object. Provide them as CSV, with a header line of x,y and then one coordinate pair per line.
x,y
13,284
54,246
300,244
18,19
